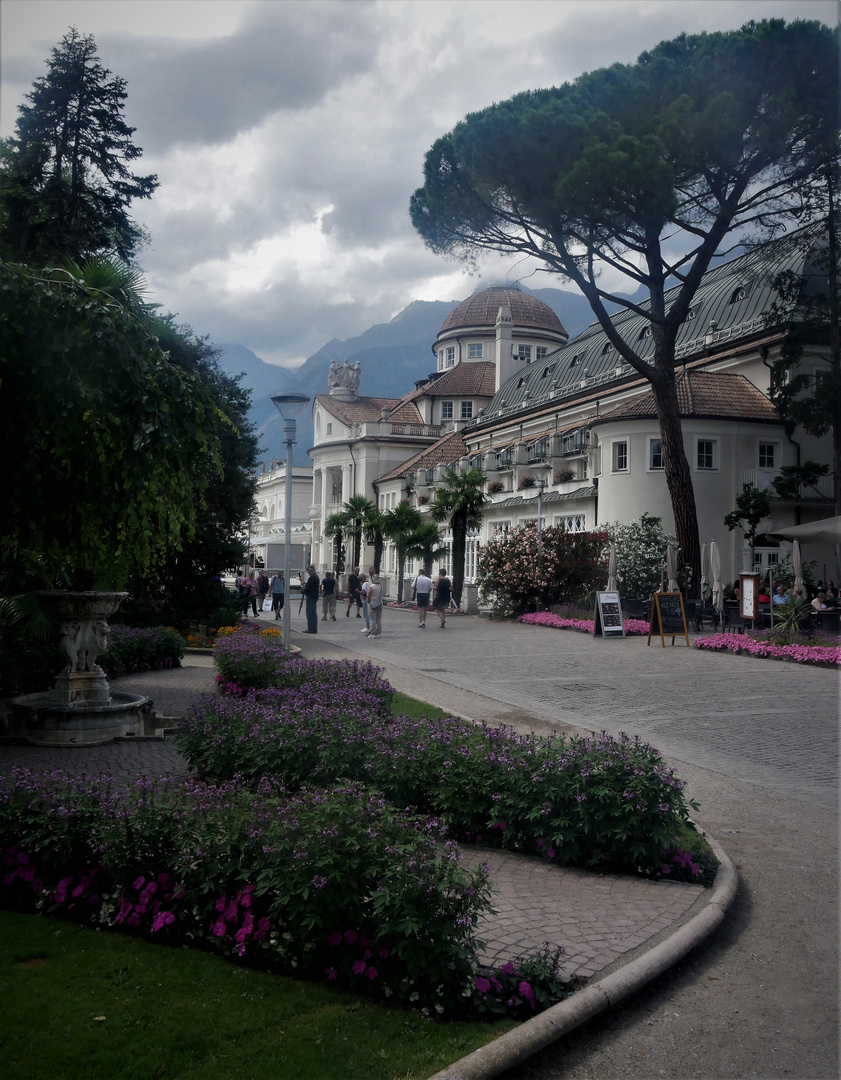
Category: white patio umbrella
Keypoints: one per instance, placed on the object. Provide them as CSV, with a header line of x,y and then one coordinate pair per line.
x,y
797,563
671,585
611,570
705,572
715,571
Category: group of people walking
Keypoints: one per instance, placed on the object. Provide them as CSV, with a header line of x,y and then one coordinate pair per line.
x,y
254,590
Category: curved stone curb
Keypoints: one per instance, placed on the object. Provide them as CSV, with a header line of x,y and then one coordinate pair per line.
x,y
524,1042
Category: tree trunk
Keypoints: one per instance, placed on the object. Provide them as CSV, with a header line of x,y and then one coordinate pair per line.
x,y
678,477
458,525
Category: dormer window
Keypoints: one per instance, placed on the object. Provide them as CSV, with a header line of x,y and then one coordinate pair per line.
x,y
740,293
575,360
547,371
607,348
644,333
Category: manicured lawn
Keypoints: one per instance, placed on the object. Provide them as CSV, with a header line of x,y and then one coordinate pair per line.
x,y
80,1003
403,705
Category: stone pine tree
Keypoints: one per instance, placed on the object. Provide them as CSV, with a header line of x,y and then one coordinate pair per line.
x,y
66,183
639,173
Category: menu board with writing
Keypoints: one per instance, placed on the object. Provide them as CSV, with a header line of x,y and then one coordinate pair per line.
x,y
668,617
748,595
608,617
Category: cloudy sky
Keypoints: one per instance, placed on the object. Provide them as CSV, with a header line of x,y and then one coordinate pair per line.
x,y
288,135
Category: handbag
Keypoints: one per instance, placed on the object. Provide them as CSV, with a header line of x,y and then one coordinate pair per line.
x,y
267,604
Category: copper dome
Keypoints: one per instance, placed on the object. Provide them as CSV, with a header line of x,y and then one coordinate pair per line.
x,y
481,309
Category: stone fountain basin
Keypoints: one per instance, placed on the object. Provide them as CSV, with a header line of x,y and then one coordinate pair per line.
x,y
42,720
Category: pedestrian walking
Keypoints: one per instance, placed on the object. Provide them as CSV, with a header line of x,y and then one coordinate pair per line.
x,y
249,593
443,595
354,590
328,597
311,588
375,606
423,589
263,586
278,593
365,585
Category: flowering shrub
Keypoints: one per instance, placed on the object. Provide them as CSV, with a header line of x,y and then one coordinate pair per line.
x,y
641,554
250,659
583,626
495,486
526,482
141,649
522,986
333,884
514,579
801,654
606,803
563,476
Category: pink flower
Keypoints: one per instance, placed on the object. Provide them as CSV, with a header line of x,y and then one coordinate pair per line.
x,y
138,883
371,973
331,974
351,937
482,985
359,967
335,938
527,993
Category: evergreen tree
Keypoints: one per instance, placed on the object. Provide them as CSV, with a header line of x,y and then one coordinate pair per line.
x,y
65,181
401,526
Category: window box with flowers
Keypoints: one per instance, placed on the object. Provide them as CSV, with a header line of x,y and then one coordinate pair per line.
x,y
423,500
563,476
495,486
526,482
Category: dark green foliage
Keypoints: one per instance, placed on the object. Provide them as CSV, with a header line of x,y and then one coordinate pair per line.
x,y
65,181
131,649
646,168
104,480
752,505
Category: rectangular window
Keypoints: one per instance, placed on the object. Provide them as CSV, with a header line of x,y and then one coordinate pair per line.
x,y
474,352
705,455
446,410
571,522
451,355
466,410
523,352
767,455
541,351
441,362
620,456
655,454
329,429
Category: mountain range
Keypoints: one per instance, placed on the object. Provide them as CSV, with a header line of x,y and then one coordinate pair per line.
x,y
392,357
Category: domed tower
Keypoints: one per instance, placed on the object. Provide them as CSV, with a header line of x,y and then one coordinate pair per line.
x,y
502,324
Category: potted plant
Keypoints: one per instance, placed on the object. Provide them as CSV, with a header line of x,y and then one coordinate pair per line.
x,y
495,486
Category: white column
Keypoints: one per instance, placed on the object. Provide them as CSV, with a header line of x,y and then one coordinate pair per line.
x,y
346,482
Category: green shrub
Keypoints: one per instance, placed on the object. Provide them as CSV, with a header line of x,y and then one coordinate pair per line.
x,y
141,649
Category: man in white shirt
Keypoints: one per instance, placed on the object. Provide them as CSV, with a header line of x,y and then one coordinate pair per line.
x,y
423,587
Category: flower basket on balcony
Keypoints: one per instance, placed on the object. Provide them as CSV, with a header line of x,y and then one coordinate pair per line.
x,y
564,475
423,500
527,482
495,486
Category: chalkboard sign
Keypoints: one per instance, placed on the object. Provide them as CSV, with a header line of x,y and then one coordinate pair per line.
x,y
608,617
668,617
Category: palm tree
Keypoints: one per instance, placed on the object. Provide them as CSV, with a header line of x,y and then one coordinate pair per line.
x,y
354,511
374,525
335,526
460,500
426,545
401,525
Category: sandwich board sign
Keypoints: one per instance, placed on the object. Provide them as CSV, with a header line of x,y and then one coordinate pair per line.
x,y
668,617
608,618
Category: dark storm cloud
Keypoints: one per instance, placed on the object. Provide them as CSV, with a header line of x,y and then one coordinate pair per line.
x,y
282,57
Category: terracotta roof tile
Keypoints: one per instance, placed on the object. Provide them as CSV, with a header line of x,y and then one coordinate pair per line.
x,y
364,409
448,449
704,393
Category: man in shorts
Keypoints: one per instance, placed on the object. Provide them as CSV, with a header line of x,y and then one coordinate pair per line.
x,y
423,587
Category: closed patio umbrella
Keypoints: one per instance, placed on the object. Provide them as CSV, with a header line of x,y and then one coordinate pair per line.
x,y
715,571
705,573
671,585
797,563
611,570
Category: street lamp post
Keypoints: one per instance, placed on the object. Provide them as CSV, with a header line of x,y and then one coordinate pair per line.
x,y
290,407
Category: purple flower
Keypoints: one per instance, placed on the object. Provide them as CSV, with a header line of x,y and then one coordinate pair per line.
x,y
351,937
331,974
358,967
482,985
371,973
139,883
164,918
527,993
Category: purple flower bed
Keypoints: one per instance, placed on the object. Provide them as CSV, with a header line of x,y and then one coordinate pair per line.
x,y
801,654
329,883
583,626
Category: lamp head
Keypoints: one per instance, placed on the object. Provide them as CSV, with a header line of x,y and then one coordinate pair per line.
x,y
290,407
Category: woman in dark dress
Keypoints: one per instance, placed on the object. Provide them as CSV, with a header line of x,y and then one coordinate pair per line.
x,y
443,595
